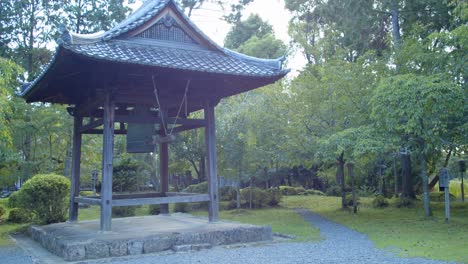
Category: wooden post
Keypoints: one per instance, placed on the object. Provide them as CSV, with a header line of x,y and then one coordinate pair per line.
x,y
447,205
75,175
164,172
107,160
462,165
212,170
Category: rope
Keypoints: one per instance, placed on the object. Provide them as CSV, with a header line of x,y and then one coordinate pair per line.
x,y
155,90
184,100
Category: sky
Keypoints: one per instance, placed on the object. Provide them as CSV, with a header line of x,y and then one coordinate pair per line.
x,y
209,20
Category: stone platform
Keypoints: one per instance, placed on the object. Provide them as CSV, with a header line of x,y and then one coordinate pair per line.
x,y
140,235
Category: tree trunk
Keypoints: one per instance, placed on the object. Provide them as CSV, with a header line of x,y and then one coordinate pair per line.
x,y
406,183
425,184
395,177
340,172
396,26
201,165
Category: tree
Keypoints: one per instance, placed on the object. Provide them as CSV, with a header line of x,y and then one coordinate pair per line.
x,y
244,30
418,108
90,16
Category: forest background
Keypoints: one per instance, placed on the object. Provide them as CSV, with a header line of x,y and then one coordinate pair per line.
x,y
384,87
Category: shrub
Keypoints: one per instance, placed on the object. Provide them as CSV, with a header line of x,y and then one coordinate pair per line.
x,y
154,209
124,178
2,211
379,202
366,191
333,190
197,188
440,197
13,200
260,198
349,199
403,202
289,190
19,215
123,211
46,196
227,193
231,205
311,192
181,207
275,196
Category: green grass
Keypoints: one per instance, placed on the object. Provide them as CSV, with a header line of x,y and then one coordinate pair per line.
x,y
404,230
282,220
7,228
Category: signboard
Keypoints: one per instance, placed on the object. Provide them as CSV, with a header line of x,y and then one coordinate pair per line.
x,y
444,179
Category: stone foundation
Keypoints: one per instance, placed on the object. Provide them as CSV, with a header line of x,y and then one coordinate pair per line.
x,y
141,235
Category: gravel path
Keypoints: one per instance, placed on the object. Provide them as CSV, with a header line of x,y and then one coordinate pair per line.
x,y
341,245
14,255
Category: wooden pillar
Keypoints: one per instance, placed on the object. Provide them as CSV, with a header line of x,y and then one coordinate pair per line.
x,y
76,161
164,172
212,170
107,160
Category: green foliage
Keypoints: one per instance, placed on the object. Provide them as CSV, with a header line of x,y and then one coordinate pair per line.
x,y
289,190
124,177
13,200
181,208
260,198
46,196
380,202
244,30
2,211
349,199
154,209
19,215
311,192
333,190
123,211
227,193
440,197
404,202
197,188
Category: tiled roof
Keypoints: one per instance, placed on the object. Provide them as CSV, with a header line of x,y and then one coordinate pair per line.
x,y
176,57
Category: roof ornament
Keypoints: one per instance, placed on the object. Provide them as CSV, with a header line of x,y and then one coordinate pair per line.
x,y
65,36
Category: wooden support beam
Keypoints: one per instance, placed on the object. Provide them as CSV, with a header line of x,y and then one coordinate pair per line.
x,y
107,160
162,200
164,172
92,124
212,170
75,175
101,131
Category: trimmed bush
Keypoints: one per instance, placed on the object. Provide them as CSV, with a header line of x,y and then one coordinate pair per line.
x,y
46,196
289,190
311,192
19,215
181,207
227,193
13,200
275,197
379,202
123,211
440,197
124,178
260,198
403,202
197,188
154,209
333,190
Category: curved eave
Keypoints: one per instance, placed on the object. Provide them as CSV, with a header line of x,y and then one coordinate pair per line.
x,y
31,87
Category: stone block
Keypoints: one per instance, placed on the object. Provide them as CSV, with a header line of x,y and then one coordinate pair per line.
x,y
97,250
118,248
135,247
157,244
